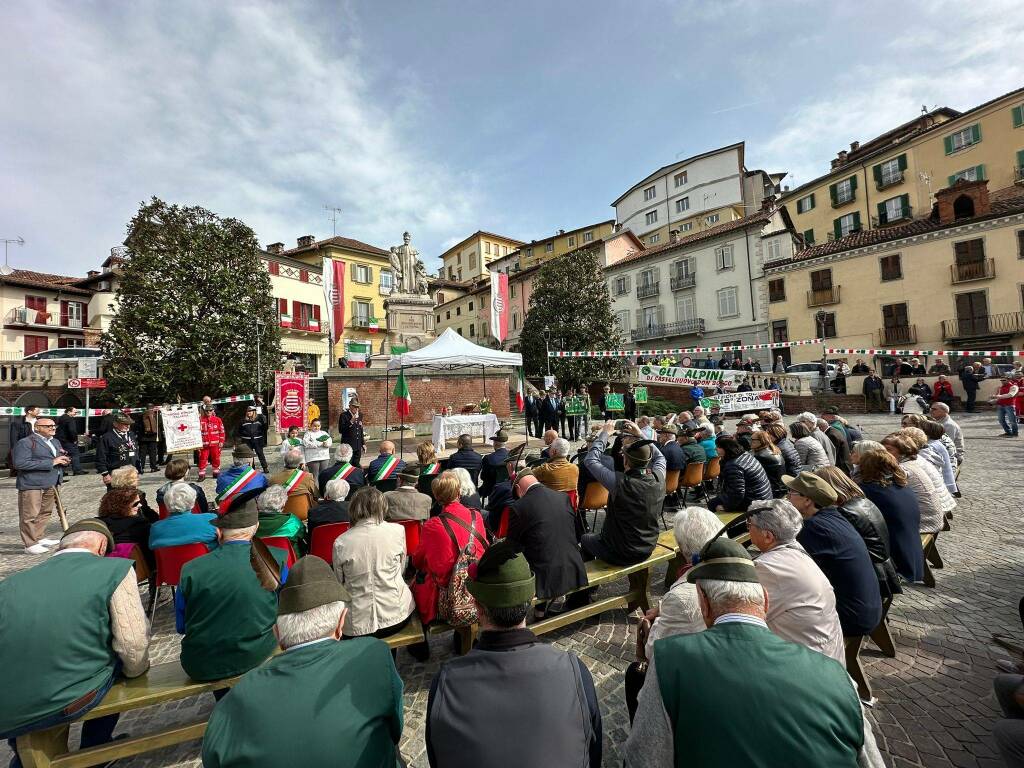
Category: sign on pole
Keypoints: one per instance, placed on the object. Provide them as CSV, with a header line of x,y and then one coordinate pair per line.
x,y
181,428
615,402
87,383
88,368
640,395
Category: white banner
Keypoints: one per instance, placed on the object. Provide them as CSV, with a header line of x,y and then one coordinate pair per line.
x,y
689,377
181,428
755,400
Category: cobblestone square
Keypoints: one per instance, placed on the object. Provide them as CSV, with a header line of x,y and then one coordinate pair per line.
x,y
935,705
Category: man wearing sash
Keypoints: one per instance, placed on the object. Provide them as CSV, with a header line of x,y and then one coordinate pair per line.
x,y
295,480
240,478
342,469
386,465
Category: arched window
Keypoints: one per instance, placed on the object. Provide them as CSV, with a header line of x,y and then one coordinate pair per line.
x,y
963,207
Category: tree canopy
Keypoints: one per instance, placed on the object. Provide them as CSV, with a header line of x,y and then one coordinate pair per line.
x,y
188,302
570,299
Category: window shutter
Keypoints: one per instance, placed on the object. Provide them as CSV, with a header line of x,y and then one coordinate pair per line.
x,y
877,171
901,162
856,221
882,217
948,142
837,228
282,306
316,311
85,315
833,193
812,200
355,309
296,318
304,275
853,183
661,315
353,273
639,318
976,133
979,172
905,204
1018,116
808,237
63,312
657,274
629,283
1020,155
272,268
951,181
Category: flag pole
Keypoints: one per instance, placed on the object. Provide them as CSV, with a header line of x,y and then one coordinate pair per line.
x,y
387,397
401,439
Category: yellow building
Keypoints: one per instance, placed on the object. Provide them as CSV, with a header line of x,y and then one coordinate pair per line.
x,y
301,310
538,251
368,281
950,281
468,314
893,178
467,260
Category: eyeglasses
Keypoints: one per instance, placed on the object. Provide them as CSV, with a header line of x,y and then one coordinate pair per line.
x,y
136,504
46,426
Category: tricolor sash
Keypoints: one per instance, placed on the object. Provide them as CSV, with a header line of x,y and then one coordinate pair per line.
x,y
292,481
225,498
343,472
387,469
430,469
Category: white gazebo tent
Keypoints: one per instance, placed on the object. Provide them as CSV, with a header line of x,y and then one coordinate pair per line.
x,y
450,352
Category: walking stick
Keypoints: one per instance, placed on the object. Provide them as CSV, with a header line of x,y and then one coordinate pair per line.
x,y
61,514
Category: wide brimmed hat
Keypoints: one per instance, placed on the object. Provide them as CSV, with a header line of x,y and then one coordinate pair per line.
x,y
502,578
242,451
311,583
723,559
501,436
813,487
639,453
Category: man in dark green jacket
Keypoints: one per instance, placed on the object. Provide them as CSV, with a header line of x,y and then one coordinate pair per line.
x,y
323,702
737,694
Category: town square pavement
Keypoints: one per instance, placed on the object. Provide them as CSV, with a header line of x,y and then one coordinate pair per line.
x,y
935,705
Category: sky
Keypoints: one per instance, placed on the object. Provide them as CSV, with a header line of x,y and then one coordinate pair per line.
x,y
442,118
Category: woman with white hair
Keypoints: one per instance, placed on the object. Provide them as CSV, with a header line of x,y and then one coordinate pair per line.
x,y
333,508
274,522
801,602
181,526
468,495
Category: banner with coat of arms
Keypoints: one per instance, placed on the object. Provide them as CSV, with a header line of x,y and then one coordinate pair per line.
x,y
291,393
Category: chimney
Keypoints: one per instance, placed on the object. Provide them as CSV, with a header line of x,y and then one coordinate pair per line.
x,y
305,241
561,231
841,157
963,200
768,203
91,273
618,227
854,146
673,235
275,248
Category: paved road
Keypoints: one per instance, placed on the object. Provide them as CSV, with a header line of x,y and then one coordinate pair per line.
x,y
935,705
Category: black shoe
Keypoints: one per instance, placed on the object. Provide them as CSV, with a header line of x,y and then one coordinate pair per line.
x,y
420,651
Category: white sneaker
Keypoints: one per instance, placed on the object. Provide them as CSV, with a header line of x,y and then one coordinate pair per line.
x,y
36,549
49,542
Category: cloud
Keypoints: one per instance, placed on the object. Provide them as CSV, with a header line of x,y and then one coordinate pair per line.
x,y
261,112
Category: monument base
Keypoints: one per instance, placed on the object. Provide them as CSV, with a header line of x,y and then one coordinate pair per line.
x,y
410,320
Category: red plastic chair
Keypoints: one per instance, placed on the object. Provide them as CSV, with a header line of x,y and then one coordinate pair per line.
x,y
322,544
574,499
169,562
161,510
412,534
286,544
506,513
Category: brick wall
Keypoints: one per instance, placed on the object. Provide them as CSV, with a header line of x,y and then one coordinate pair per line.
x,y
430,392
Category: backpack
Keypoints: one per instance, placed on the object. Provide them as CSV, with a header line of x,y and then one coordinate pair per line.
x,y
454,603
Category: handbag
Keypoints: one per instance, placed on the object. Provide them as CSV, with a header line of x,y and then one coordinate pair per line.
x,y
454,603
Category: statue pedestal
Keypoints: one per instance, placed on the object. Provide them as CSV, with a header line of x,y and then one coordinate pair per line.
x,y
410,320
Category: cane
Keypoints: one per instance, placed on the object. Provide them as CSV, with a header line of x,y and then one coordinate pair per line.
x,y
60,509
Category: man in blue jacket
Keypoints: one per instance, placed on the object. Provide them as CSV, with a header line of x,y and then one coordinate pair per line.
x,y
40,461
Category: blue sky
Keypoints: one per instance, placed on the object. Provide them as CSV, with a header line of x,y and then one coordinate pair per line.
x,y
441,117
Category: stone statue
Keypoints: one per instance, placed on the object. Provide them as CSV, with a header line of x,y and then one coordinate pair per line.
x,y
407,266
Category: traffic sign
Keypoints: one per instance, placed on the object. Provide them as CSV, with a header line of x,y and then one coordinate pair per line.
x,y
88,367
87,383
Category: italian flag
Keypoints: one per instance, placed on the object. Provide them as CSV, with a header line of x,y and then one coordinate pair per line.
x,y
373,325
286,320
403,400
356,353
520,393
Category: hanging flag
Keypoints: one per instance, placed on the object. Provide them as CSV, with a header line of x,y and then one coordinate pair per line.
x,y
334,294
356,353
373,325
521,393
286,320
499,305
403,400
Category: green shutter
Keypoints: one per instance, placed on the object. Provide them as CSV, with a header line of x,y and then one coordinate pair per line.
x,y
812,201
853,185
837,228
856,221
1020,157
1018,116
882,218
979,172
976,133
877,171
901,161
951,180
808,237
833,193
905,205
948,141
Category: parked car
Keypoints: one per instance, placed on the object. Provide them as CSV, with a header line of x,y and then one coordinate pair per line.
x,y
65,353
811,372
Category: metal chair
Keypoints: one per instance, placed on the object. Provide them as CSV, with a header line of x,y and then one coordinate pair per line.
x,y
595,497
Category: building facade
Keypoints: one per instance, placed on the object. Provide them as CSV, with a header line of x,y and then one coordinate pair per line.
x,y
538,251
301,307
469,259
42,311
892,179
704,289
368,281
694,194
953,280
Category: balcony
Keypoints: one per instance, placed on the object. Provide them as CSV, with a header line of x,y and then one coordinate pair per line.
x,y
647,290
679,282
904,214
889,181
40,373
1005,324
821,297
310,326
897,335
969,271
681,328
36,318
364,323
1018,175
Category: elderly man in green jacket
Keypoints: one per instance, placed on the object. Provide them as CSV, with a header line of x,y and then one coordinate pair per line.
x,y
737,694
323,701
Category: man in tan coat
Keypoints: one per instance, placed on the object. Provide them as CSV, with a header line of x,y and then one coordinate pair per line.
x,y
297,481
558,473
406,502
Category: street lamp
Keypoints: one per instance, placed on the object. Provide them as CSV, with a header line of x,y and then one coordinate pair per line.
x,y
821,317
547,347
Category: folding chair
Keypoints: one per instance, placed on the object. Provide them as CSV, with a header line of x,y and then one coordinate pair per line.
x,y
322,544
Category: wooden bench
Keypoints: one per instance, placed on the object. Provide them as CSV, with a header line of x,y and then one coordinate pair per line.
x,y
161,684
854,668
931,554
668,540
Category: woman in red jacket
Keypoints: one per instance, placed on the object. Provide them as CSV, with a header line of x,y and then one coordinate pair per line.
x,y
942,392
436,555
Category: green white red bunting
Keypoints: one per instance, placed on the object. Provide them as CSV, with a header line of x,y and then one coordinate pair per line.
x,y
20,411
683,350
929,352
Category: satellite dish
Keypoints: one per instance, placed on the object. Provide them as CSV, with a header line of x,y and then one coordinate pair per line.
x,y
6,269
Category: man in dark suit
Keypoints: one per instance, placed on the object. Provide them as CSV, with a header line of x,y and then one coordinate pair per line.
x,y
386,466
350,425
629,400
674,458
342,469
490,463
549,410
467,458
970,376
531,412
543,522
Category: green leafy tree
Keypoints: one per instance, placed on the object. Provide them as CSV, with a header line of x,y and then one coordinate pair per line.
x,y
570,303
189,304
